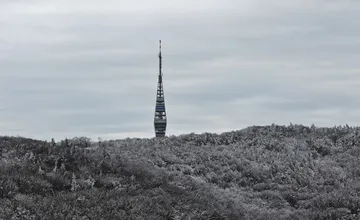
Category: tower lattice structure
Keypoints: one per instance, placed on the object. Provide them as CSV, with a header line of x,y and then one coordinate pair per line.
x,y
160,113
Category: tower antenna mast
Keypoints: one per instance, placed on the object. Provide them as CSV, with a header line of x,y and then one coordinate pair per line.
x,y
160,58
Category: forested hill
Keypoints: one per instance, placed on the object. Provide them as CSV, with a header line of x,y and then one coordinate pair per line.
x,y
261,172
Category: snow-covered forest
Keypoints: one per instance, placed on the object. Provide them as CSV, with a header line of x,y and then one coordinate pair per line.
x,y
261,172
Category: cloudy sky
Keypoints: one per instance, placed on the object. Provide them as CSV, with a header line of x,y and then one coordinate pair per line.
x,y
89,68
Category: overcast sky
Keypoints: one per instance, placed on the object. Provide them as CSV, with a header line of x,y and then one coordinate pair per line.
x,y
89,68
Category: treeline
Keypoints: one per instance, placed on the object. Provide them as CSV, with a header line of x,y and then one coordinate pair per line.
x,y
261,172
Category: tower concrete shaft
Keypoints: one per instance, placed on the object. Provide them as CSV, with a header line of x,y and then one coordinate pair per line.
x,y
160,113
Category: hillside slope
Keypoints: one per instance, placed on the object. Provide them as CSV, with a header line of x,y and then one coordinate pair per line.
x,y
269,172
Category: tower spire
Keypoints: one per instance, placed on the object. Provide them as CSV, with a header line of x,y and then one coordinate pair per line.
x,y
160,113
160,59
160,46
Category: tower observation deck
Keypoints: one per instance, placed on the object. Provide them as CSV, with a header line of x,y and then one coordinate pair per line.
x,y
160,113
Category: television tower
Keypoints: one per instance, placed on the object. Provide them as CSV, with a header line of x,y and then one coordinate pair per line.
x,y
160,113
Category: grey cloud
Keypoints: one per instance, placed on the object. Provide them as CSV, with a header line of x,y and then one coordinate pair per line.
x,y
67,70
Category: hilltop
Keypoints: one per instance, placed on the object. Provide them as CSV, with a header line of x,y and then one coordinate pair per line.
x,y
261,172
